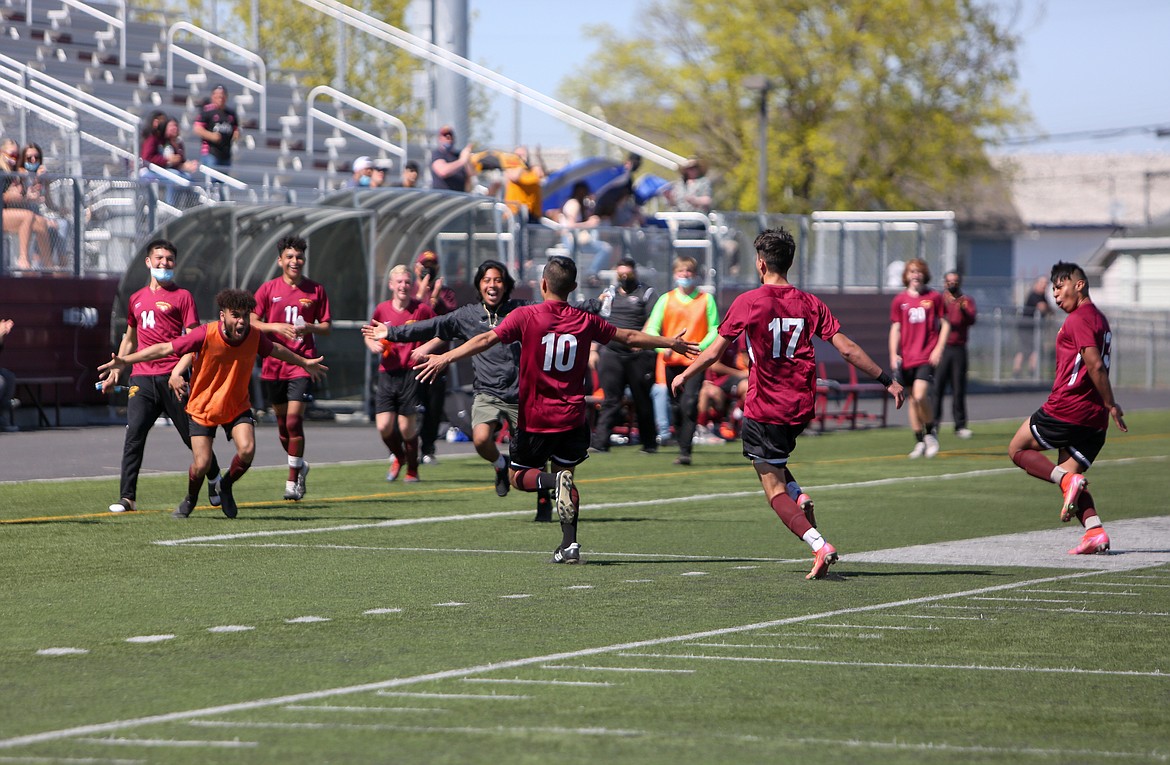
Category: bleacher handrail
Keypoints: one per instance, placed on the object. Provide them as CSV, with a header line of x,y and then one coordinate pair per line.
x,y
484,76
118,22
312,112
260,87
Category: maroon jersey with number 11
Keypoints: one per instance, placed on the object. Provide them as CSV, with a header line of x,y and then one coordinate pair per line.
x,y
554,359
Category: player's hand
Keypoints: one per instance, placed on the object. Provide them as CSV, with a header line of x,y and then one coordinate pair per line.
x,y
680,346
432,367
898,393
935,358
1118,416
418,356
676,385
178,386
115,365
375,330
316,368
287,331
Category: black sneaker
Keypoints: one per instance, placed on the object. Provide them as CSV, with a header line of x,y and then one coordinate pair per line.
x,y
682,459
566,510
184,509
570,554
543,509
503,483
213,490
228,505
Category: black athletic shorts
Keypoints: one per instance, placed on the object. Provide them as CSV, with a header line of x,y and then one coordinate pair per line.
x,y
767,441
907,375
1081,442
565,448
284,391
398,392
209,431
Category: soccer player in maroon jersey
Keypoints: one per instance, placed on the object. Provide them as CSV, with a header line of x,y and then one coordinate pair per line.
x,y
158,313
291,309
1076,415
780,322
398,397
555,339
918,333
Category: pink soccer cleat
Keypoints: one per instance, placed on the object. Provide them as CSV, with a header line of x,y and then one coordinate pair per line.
x,y
823,558
1072,484
1094,541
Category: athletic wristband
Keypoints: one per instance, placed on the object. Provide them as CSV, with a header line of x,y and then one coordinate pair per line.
x,y
885,380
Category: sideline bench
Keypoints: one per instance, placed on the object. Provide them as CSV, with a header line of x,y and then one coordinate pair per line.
x,y
845,401
34,387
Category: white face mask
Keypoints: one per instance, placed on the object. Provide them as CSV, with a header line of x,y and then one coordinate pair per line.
x,y
163,274
683,282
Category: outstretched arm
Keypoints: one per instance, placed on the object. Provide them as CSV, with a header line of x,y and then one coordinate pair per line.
x,y
314,367
434,365
853,353
637,339
708,357
119,363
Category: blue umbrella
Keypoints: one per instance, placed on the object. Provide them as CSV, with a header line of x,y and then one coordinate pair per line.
x,y
594,171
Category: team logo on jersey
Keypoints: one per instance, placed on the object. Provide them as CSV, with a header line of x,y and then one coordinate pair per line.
x,y
162,306
306,303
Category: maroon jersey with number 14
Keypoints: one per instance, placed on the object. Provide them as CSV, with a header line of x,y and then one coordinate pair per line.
x,y
1074,398
554,359
780,322
160,316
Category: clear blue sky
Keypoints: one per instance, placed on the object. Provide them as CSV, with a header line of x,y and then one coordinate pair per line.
x,y
1085,65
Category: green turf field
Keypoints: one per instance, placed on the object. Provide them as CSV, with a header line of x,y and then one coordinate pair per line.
x,y
422,623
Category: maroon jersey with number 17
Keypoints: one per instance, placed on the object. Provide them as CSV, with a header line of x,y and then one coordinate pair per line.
x,y
780,321
554,359
1074,398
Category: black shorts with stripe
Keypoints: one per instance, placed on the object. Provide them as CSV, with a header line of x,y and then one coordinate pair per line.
x,y
1081,442
564,448
768,441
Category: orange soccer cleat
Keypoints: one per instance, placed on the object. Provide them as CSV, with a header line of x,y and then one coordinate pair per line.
x,y
1072,485
823,558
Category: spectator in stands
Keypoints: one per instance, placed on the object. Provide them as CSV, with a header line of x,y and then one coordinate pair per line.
x,y
409,175
363,170
442,301
579,222
692,192
1033,314
36,195
20,216
378,173
7,385
451,169
162,147
523,184
218,128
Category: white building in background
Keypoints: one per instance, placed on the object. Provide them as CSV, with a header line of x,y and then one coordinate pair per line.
x,y
1108,212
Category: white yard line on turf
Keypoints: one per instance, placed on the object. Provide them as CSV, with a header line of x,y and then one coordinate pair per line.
x,y
492,731
464,672
164,742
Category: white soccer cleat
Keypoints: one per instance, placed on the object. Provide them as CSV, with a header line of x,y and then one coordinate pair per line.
x,y
931,442
918,451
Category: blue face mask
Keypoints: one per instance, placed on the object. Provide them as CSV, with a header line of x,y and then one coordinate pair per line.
x,y
32,166
364,180
683,282
163,274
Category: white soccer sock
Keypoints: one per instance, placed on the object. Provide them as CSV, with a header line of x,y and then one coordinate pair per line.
x,y
295,462
1057,475
1093,523
794,490
814,539
500,463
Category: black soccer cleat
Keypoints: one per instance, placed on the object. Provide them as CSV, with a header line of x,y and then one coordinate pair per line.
x,y
213,490
503,483
570,554
184,509
227,499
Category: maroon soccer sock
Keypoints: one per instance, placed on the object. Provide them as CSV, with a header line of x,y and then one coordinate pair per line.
x,y
237,469
1035,464
531,479
1085,507
194,483
791,515
393,444
411,449
282,432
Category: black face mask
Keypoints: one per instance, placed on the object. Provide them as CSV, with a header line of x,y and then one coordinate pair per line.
x,y
629,285
953,290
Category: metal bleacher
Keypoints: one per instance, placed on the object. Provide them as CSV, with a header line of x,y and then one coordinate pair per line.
x,y
74,43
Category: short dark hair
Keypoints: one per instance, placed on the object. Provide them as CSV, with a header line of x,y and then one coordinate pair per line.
x,y
777,248
560,273
411,165
292,242
487,265
628,262
162,244
235,300
1062,271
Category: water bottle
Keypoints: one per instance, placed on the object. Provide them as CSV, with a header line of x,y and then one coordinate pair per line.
x,y
115,389
299,325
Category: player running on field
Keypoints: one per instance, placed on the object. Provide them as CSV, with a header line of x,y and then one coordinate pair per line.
x,y
1076,415
780,322
292,310
555,339
225,352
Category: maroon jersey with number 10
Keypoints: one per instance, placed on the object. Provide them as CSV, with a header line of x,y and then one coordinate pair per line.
x,y
780,322
1074,398
554,359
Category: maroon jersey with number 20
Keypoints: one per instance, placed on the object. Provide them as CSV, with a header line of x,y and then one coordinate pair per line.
x,y
554,360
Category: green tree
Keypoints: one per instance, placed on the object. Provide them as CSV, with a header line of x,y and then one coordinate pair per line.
x,y
874,104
